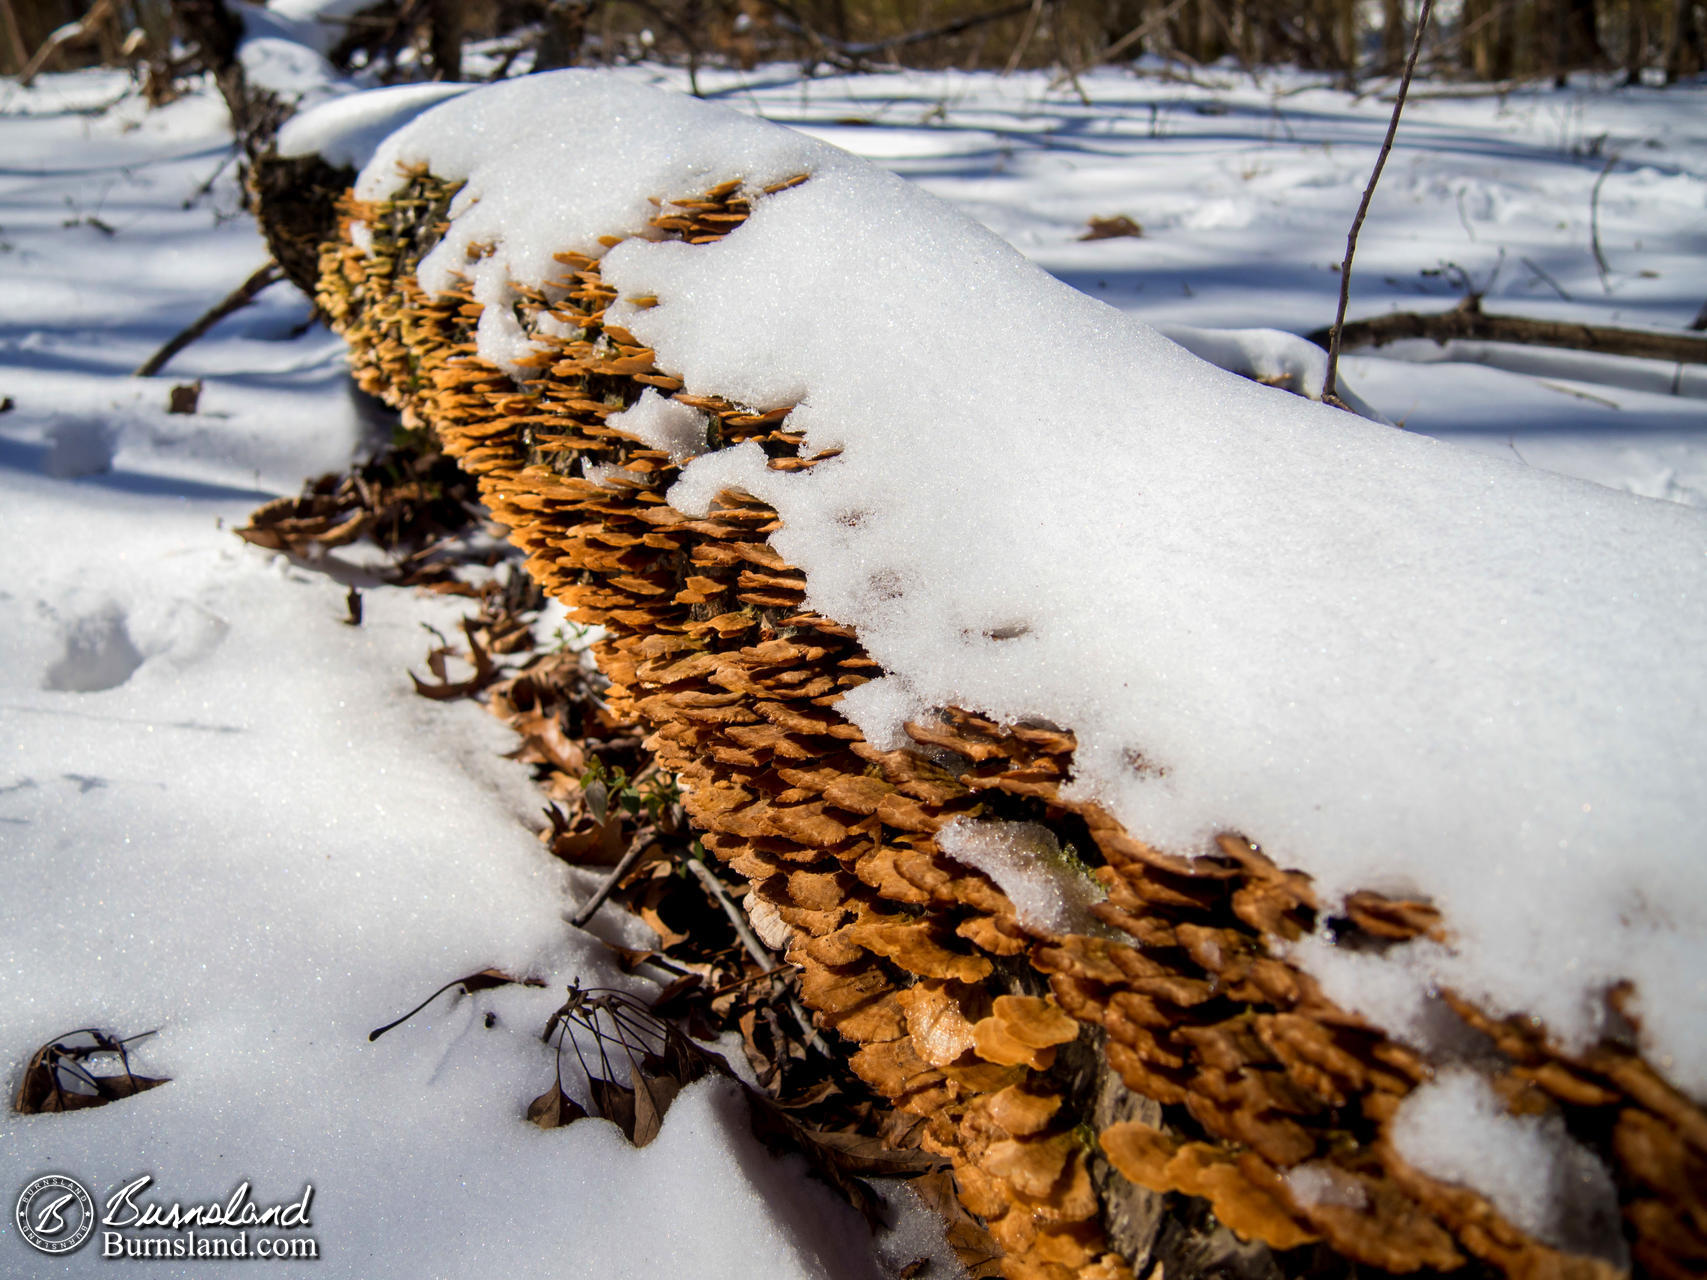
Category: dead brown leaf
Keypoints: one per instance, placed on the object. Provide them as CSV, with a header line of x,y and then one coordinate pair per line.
x,y
184,397
869,1157
613,1102
591,844
59,1077
668,1001
972,1244
485,670
553,1109
1111,228
653,1094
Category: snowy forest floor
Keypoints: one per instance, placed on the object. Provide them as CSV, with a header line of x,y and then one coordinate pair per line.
x,y
225,815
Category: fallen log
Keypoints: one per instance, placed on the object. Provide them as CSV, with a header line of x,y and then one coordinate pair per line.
x,y
1467,320
1121,1047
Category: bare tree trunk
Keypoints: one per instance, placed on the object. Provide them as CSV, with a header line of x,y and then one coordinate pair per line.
x,y
838,18
565,31
1269,33
1579,34
1502,50
1547,39
1204,42
1116,17
1195,33
444,38
31,22
1635,40
1343,26
1393,32
1247,33
15,54
1684,53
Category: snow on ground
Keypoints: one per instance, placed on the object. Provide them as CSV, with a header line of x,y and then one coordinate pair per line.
x,y
1244,192
223,814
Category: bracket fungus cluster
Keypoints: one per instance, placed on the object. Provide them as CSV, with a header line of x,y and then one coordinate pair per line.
x,y
1095,1077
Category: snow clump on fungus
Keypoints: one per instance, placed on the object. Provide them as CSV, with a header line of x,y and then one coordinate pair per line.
x,y
1455,1128
543,257
1049,890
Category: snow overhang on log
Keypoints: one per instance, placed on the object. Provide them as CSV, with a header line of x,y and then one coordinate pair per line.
x,y
1386,755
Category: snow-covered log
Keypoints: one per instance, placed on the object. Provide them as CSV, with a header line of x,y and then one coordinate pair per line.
x,y
1309,811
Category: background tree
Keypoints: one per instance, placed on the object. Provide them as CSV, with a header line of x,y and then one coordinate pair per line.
x,y
1488,40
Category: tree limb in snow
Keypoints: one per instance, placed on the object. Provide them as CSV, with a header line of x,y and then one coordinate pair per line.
x,y
236,300
1468,321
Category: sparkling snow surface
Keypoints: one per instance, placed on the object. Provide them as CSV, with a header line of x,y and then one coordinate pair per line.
x,y
1397,664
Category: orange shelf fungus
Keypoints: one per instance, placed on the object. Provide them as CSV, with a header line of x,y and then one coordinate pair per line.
x,y
1009,1040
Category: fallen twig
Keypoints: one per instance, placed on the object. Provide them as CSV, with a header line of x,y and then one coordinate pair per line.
x,y
1467,321
1330,391
643,839
755,946
236,300
1542,275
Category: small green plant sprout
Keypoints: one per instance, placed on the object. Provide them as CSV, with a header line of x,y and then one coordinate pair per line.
x,y
646,796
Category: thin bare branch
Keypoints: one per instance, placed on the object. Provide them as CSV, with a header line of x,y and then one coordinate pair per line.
x,y
1026,33
236,300
946,30
103,11
1594,223
1330,391
1541,274
1155,22
14,34
755,947
644,839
